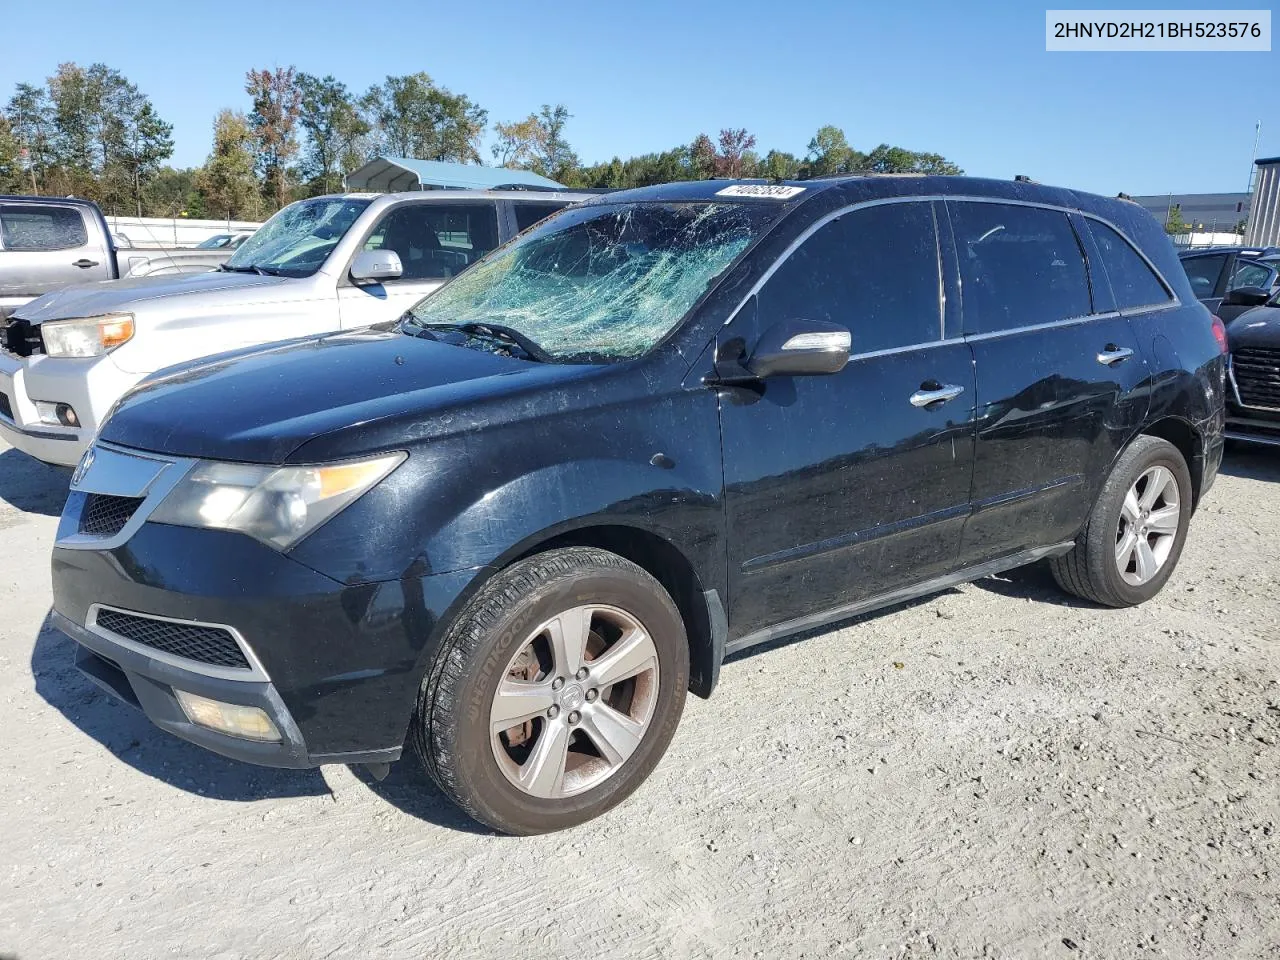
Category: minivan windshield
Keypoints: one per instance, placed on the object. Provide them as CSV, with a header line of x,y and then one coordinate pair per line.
x,y
599,283
298,239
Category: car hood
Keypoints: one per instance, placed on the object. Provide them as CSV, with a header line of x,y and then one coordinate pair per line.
x,y
362,391
1259,327
115,296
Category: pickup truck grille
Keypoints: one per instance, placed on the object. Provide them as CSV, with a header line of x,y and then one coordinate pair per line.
x,y
105,516
1257,373
211,645
21,338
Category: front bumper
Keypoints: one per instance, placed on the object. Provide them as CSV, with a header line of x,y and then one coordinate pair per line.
x,y
91,386
337,666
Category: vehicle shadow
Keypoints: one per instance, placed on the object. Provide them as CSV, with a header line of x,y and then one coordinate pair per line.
x,y
1034,582
127,733
410,790
32,486
131,737
853,621
1252,462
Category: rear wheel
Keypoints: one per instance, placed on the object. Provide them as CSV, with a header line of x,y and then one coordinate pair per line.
x,y
556,691
1135,532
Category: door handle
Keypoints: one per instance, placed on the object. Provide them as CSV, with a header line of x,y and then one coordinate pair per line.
x,y
933,393
1111,355
84,264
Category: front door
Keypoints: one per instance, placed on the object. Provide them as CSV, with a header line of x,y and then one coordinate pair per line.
x,y
48,245
1059,373
841,488
435,241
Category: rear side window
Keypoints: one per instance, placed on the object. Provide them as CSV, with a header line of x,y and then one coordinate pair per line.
x,y
527,214
873,270
1203,272
1132,281
437,240
1019,266
40,227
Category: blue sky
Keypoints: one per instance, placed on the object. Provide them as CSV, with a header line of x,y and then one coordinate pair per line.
x,y
973,84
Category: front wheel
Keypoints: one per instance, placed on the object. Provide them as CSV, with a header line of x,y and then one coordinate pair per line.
x,y
1134,535
555,692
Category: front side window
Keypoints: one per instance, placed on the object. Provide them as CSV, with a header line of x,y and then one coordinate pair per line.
x,y
1203,272
1132,281
437,240
41,227
527,213
1019,266
298,239
1247,273
600,283
874,271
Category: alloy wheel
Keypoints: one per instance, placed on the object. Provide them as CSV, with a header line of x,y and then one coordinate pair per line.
x,y
575,701
1148,526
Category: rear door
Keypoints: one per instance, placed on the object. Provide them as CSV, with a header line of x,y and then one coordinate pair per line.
x,y
1059,376
434,240
841,488
46,245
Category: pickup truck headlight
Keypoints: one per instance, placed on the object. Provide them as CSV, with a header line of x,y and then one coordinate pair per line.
x,y
277,505
86,336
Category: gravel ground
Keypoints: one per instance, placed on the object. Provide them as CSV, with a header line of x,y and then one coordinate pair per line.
x,y
994,772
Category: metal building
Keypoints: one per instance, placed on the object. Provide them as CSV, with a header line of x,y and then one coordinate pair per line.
x,y
394,174
1264,221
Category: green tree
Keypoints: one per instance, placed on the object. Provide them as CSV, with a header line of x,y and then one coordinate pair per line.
x,y
778,165
144,142
171,192
518,142
1173,223
30,116
333,127
277,102
830,154
887,159
226,183
412,117
13,177
702,158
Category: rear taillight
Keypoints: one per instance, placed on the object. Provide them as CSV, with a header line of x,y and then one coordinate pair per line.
x,y
1220,332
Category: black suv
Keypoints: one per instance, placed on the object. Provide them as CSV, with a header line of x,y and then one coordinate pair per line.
x,y
660,427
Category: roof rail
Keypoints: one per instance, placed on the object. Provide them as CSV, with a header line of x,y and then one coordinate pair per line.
x,y
1022,178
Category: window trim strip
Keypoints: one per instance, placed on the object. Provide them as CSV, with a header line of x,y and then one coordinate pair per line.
x,y
1174,301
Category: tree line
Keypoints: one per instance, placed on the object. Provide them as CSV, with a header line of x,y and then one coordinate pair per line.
x,y
89,132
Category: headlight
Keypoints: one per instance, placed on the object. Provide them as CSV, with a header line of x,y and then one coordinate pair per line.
x,y
86,337
277,505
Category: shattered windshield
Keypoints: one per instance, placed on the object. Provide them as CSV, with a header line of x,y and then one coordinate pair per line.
x,y
298,239
600,283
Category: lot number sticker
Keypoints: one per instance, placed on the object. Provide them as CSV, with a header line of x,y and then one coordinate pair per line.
x,y
763,190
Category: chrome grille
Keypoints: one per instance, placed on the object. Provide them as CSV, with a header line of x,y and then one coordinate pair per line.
x,y
1257,375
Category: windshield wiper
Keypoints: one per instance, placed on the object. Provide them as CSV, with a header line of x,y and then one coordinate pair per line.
x,y
251,268
494,331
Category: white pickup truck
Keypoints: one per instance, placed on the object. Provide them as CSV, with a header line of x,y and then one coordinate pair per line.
x,y
328,263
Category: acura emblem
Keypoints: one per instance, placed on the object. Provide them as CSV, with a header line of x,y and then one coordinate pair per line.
x,y
82,467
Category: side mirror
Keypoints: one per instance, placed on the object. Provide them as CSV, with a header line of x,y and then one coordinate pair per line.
x,y
1246,297
374,266
797,348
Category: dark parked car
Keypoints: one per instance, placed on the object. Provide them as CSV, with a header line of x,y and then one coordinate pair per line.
x,y
1231,280
662,426
1243,288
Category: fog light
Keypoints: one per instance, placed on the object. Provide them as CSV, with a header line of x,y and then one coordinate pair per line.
x,y
62,414
233,719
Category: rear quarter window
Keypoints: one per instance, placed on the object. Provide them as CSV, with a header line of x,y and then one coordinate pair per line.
x,y
41,227
527,214
1133,282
